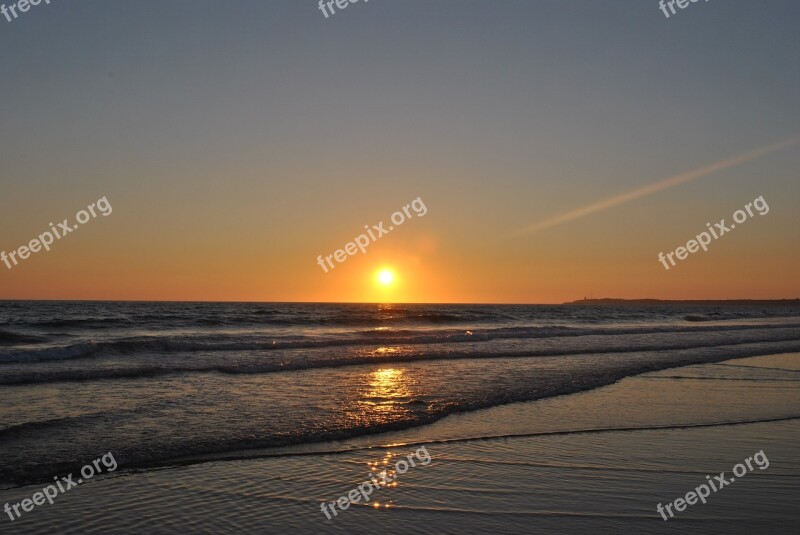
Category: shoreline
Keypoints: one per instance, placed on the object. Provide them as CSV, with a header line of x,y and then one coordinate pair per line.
x,y
619,471
416,433
426,433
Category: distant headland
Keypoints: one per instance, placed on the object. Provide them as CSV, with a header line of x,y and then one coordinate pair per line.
x,y
702,302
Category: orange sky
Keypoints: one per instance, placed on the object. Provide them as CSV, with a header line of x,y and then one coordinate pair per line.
x,y
235,150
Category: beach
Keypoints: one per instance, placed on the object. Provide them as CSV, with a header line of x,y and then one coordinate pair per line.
x,y
409,268
597,461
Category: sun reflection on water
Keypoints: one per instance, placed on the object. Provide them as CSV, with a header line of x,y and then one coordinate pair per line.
x,y
386,391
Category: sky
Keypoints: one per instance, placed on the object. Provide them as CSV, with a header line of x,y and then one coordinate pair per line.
x,y
558,146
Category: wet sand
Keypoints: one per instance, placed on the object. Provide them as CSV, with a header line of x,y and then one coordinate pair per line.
x,y
594,462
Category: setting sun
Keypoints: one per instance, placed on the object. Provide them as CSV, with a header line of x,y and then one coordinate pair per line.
x,y
385,277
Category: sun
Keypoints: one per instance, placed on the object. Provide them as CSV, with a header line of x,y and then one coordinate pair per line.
x,y
385,277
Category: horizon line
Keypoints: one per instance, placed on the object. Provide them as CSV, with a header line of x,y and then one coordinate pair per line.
x,y
635,299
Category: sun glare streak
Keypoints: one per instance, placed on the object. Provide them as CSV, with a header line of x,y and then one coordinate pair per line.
x,y
658,186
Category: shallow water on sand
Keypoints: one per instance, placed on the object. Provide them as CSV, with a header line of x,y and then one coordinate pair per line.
x,y
592,473
157,382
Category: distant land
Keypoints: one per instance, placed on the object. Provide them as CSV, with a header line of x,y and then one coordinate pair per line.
x,y
709,302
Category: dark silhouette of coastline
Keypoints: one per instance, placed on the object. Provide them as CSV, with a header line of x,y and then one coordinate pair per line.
x,y
703,302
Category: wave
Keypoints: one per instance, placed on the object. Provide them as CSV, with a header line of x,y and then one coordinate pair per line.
x,y
94,323
161,344
12,338
14,431
49,354
789,343
258,317
422,411
737,315
246,455
700,378
275,447
158,316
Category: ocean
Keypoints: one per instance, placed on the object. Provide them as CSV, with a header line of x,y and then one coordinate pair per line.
x,y
163,383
